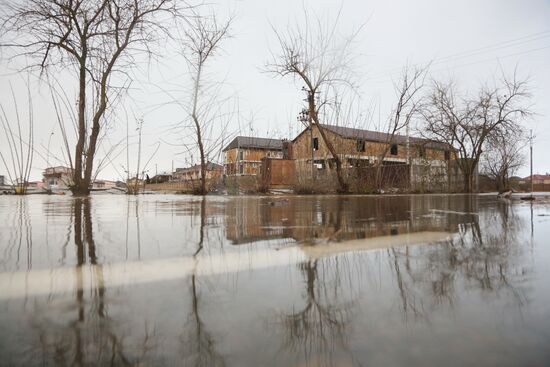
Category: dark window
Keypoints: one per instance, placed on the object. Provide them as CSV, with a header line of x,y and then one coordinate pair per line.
x,y
422,152
447,155
241,155
360,145
393,149
315,143
241,169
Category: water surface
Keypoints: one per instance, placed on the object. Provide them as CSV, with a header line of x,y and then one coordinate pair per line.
x,y
262,281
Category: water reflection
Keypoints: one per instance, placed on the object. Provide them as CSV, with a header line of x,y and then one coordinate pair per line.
x,y
240,281
199,344
319,328
307,220
79,331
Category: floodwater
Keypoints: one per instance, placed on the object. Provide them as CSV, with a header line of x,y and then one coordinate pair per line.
x,y
274,281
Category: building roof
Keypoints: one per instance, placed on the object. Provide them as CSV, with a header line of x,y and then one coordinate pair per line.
x,y
57,170
256,143
377,136
538,177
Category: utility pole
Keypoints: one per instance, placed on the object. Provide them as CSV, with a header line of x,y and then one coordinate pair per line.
x,y
409,157
305,119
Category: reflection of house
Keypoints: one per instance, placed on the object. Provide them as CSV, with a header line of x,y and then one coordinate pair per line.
x,y
58,177
305,219
193,173
244,154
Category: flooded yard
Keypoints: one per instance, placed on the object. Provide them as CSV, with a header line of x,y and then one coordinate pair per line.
x,y
274,281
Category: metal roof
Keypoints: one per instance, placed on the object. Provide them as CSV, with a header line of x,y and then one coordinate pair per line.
x,y
257,143
369,135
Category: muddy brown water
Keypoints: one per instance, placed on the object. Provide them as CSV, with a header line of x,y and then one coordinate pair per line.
x,y
164,280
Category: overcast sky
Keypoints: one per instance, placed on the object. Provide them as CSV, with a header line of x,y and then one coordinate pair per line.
x,y
469,41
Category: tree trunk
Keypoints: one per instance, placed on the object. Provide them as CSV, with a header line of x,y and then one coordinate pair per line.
x,y
342,185
77,173
468,181
378,177
194,116
203,170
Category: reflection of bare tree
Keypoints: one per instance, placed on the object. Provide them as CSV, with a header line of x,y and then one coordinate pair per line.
x,y
199,345
320,327
19,237
317,329
90,337
481,255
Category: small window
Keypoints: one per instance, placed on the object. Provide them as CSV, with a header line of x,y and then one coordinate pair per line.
x,y
447,155
422,152
315,143
241,155
393,149
241,169
360,145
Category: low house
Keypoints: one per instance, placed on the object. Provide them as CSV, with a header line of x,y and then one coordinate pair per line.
x,y
134,183
35,184
243,155
193,173
103,185
537,179
159,178
363,148
59,177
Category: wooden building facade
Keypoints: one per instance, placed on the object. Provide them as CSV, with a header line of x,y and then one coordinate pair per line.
x,y
213,172
243,155
357,147
410,163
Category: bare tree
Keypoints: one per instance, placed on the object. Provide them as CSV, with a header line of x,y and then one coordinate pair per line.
x,y
467,123
315,56
20,147
98,41
407,91
503,157
201,43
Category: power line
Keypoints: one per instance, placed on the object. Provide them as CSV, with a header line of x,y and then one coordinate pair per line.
x,y
474,52
388,77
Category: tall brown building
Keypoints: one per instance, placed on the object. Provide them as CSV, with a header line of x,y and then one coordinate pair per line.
x,y
243,156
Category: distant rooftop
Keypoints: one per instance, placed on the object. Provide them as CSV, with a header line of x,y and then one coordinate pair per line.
x,y
210,166
257,143
57,170
538,177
